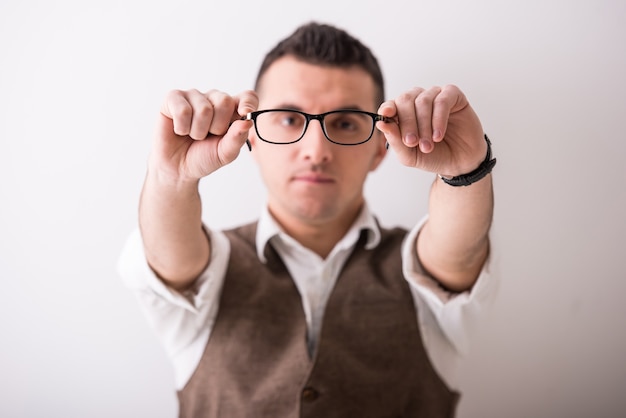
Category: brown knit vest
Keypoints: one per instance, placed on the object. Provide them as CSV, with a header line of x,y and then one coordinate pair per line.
x,y
370,360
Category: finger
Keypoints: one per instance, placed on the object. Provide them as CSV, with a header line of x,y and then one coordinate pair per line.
x,y
424,112
223,109
231,143
177,108
202,116
248,101
442,107
389,129
407,119
388,109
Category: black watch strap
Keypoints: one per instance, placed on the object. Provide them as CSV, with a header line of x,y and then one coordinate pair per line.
x,y
483,169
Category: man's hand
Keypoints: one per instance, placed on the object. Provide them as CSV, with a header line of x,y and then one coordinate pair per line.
x,y
198,133
436,130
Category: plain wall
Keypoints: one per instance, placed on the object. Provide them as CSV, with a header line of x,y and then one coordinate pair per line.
x,y
80,87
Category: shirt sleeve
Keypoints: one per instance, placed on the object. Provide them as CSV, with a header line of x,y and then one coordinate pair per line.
x,y
454,314
182,321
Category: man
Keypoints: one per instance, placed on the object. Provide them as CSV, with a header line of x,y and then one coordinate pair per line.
x,y
315,310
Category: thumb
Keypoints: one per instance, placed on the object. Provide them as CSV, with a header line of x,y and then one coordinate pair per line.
x,y
389,110
248,102
390,128
231,143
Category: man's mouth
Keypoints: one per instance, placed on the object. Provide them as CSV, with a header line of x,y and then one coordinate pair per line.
x,y
314,178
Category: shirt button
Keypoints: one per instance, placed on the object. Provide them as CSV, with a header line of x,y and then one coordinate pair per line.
x,y
309,394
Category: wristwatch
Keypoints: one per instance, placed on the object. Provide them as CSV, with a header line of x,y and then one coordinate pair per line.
x,y
483,169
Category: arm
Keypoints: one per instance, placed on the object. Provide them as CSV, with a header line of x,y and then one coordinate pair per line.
x,y
175,245
454,243
197,133
438,131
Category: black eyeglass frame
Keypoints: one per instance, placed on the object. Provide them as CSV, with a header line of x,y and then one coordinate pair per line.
x,y
319,117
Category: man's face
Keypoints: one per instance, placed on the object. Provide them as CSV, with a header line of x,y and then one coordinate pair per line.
x,y
314,181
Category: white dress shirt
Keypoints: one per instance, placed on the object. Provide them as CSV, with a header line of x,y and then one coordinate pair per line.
x,y
183,321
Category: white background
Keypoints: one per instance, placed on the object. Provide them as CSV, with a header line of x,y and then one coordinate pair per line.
x,y
80,87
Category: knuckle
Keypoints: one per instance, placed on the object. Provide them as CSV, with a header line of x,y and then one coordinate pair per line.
x,y
174,98
204,110
451,90
441,98
250,99
173,94
183,111
219,98
422,100
250,94
405,98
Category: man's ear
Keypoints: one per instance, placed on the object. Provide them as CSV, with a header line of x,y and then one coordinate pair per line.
x,y
251,143
381,149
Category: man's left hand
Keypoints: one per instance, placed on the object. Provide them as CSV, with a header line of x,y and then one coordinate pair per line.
x,y
437,130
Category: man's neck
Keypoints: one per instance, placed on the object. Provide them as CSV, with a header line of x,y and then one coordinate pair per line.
x,y
320,236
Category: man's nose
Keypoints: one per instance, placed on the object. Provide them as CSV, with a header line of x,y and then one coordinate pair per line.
x,y
314,145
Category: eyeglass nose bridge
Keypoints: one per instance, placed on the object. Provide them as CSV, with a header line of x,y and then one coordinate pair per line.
x,y
320,119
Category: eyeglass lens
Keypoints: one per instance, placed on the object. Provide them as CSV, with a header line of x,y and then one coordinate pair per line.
x,y
284,126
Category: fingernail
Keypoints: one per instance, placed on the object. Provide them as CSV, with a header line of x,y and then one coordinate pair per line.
x,y
410,140
425,145
436,134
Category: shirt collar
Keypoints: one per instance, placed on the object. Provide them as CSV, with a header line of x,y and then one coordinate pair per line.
x,y
268,228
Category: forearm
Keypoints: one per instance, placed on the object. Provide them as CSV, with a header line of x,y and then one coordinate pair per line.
x,y
170,219
454,243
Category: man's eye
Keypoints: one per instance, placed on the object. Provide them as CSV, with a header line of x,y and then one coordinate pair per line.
x,y
288,121
346,125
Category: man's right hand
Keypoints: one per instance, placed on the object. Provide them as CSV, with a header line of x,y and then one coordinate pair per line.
x,y
198,133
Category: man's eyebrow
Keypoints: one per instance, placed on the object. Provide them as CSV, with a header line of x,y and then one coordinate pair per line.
x,y
351,107
290,106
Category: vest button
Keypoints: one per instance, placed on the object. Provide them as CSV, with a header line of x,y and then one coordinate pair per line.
x,y
309,394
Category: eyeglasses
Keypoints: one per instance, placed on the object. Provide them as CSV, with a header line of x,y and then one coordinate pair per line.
x,y
343,127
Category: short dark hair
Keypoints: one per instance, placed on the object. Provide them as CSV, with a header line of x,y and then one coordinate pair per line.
x,y
326,45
